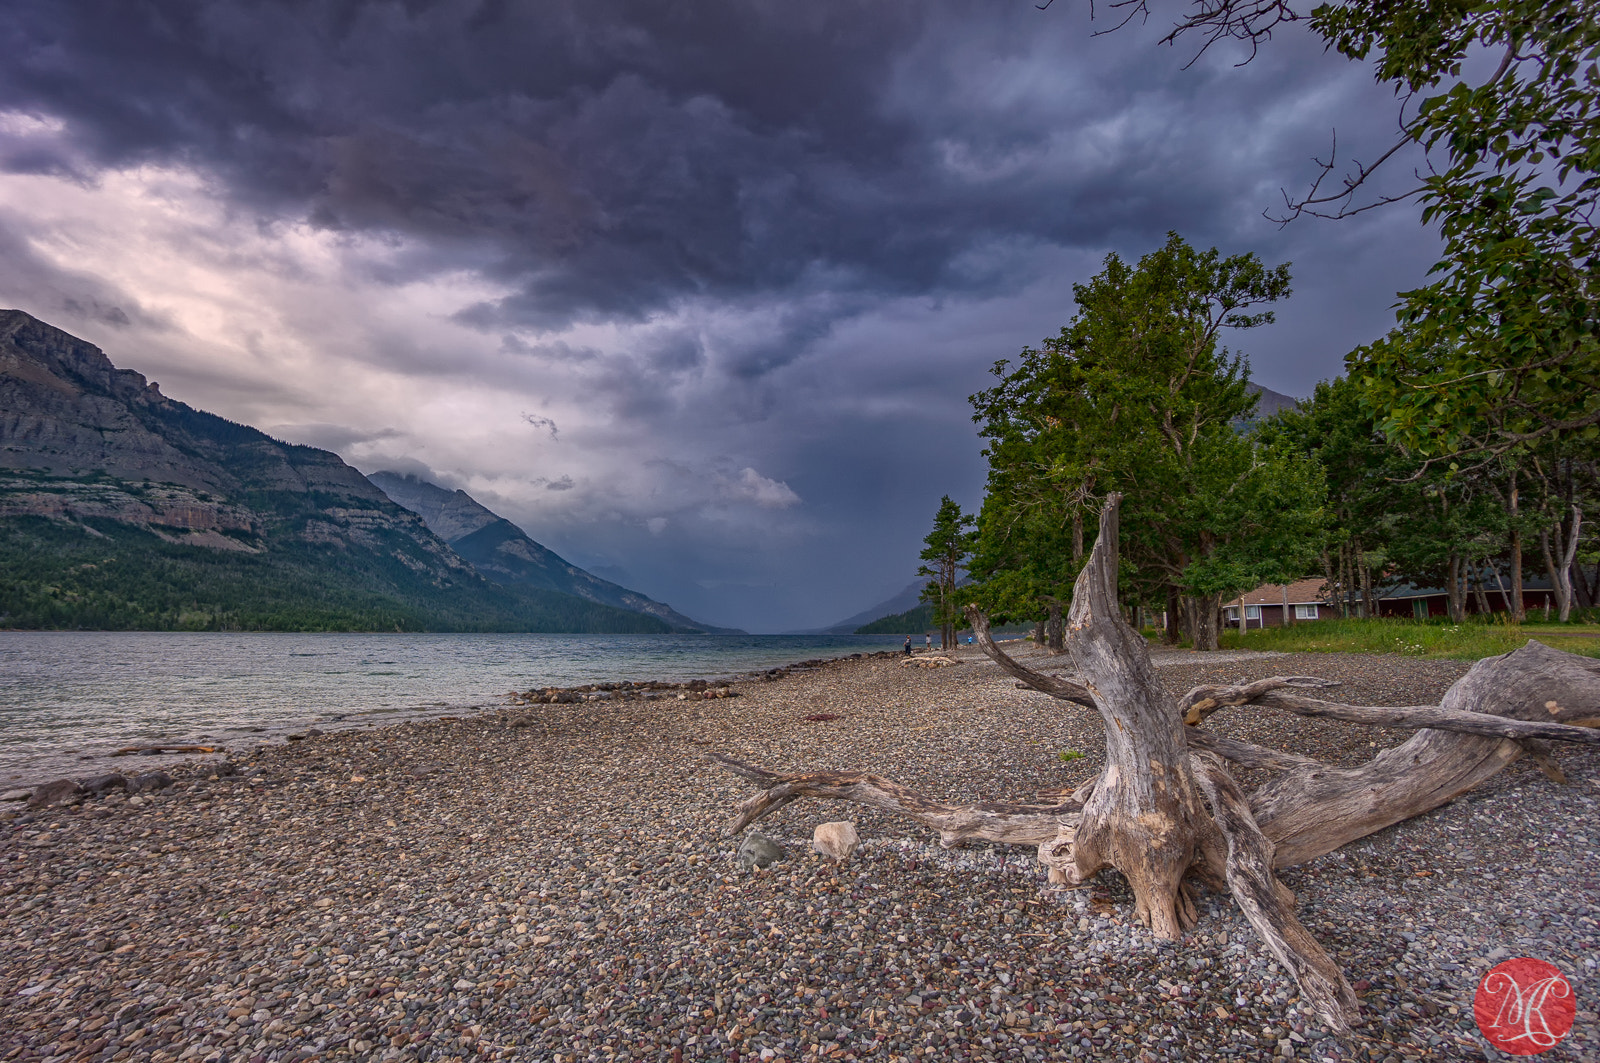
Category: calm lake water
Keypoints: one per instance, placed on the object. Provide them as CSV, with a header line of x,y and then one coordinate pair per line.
x,y
69,698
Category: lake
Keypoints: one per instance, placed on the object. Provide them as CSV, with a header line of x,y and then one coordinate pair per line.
x,y
70,698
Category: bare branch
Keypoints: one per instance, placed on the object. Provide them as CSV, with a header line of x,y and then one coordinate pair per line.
x,y
1349,185
1430,718
1065,689
1202,701
1007,822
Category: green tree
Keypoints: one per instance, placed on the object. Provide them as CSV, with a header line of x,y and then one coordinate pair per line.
x,y
1137,395
1366,476
945,551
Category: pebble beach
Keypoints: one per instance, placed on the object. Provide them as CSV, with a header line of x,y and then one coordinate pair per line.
x,y
552,880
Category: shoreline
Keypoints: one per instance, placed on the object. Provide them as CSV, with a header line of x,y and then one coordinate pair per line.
x,y
290,731
553,881
70,701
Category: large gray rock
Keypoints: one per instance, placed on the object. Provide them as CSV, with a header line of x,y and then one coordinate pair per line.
x,y
99,784
758,850
53,793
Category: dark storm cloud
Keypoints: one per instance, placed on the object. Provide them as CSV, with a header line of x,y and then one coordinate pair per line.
x,y
607,160
778,242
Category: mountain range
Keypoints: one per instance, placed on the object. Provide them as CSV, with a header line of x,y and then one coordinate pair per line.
x,y
121,508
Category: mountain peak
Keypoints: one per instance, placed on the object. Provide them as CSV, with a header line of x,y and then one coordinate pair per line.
x,y
448,514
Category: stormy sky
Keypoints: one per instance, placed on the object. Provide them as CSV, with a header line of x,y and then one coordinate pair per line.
x,y
694,292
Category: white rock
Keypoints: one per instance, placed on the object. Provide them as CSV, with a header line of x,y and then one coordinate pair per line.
x,y
837,841
16,795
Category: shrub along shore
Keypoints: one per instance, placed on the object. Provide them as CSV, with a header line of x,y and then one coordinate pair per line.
x,y
553,881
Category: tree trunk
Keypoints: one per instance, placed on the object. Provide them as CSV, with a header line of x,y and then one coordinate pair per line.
x,y
1559,562
1172,620
1499,582
1568,559
1478,594
1053,628
1164,804
1309,813
1369,600
1331,579
1519,612
1202,611
1453,590
1344,580
1143,814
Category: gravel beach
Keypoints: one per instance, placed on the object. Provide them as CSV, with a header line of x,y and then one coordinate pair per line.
x,y
554,882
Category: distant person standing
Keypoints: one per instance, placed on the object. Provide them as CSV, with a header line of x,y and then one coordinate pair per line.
x,y
927,642
908,645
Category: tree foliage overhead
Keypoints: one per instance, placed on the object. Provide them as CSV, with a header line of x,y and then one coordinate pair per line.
x,y
1500,347
1137,395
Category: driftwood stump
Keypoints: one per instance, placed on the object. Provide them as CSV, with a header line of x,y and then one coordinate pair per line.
x,y
1165,810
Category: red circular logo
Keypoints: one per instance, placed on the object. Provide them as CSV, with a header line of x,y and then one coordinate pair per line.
x,y
1524,1006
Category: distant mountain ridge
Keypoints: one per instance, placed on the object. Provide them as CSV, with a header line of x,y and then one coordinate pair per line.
x,y
1268,402
121,508
506,554
899,602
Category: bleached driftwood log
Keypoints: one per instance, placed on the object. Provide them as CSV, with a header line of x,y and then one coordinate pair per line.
x,y
1164,807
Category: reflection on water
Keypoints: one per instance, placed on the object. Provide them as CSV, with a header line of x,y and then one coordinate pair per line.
x,y
68,698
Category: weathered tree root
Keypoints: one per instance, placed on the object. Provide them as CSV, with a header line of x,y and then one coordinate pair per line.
x,y
1165,806
1011,823
1260,897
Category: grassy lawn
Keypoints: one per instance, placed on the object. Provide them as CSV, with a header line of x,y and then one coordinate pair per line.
x,y
1466,642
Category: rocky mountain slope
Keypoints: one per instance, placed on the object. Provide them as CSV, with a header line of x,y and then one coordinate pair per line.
x,y
120,507
507,555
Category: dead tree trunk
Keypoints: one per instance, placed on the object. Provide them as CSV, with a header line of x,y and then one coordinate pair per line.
x,y
1165,807
1142,815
